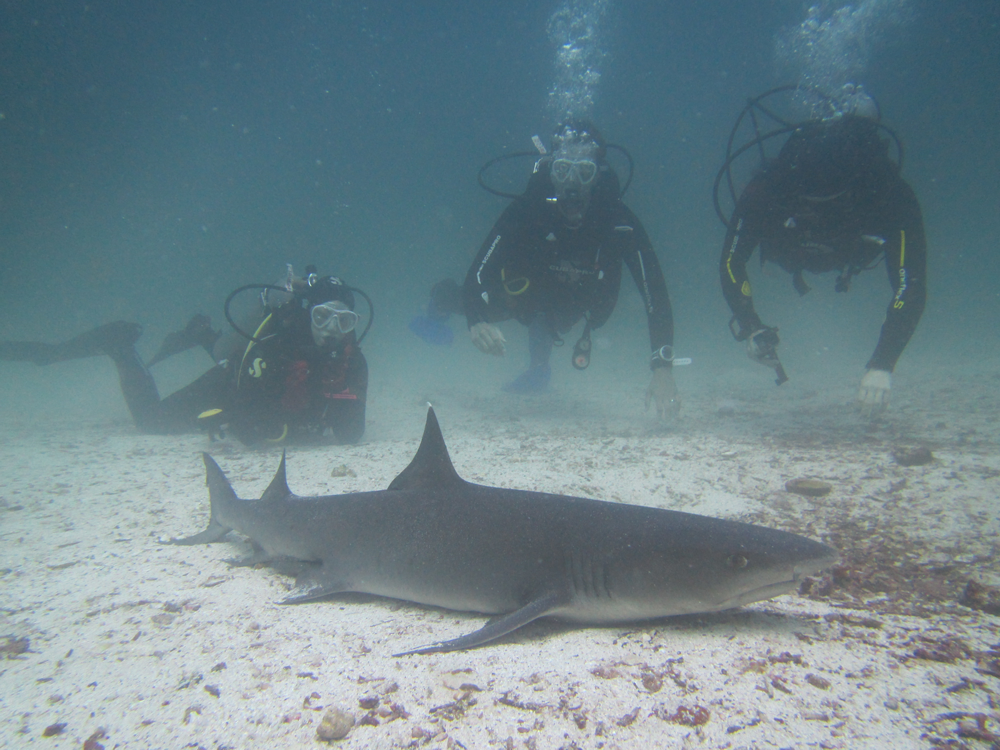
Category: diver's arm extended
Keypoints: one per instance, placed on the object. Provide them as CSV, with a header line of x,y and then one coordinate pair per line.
x,y
642,262
741,241
906,263
483,278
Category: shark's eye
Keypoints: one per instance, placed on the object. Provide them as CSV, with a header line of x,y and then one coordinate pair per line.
x,y
737,561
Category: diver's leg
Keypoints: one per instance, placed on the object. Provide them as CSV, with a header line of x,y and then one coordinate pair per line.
x,y
116,340
197,332
93,343
541,339
180,411
138,388
445,301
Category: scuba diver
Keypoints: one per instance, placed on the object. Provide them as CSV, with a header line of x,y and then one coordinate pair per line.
x,y
301,378
832,200
555,257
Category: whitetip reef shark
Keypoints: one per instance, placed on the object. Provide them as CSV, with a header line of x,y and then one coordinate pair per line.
x,y
435,539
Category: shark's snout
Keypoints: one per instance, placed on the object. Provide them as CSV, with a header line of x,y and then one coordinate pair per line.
x,y
822,558
813,567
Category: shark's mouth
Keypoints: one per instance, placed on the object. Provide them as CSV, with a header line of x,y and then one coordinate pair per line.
x,y
761,592
779,587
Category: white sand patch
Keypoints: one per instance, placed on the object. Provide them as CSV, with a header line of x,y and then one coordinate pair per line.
x,y
169,647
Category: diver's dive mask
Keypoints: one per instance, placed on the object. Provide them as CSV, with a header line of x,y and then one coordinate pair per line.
x,y
332,320
581,171
573,172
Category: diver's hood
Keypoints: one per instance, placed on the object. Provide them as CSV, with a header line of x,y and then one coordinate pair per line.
x,y
824,158
328,289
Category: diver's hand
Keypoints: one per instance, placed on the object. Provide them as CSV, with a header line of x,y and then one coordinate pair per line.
x,y
488,339
873,395
762,346
662,391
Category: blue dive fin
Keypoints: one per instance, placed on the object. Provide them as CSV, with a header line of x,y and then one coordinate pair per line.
x,y
432,331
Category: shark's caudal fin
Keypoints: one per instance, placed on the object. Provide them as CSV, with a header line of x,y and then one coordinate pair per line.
x,y
278,488
431,468
497,626
219,491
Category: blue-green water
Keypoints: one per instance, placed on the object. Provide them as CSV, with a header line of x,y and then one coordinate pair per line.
x,y
154,156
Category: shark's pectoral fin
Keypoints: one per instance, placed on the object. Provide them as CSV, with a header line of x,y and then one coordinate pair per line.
x,y
497,626
249,561
314,583
213,533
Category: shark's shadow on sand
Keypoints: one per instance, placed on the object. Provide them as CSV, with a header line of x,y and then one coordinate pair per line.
x,y
435,539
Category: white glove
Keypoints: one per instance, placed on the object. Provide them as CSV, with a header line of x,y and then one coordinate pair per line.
x,y
873,395
662,392
762,346
488,339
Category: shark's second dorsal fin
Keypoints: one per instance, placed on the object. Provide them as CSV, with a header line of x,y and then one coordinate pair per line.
x,y
431,467
278,488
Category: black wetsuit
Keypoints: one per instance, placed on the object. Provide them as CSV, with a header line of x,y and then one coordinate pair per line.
x,y
824,208
532,264
287,388
283,389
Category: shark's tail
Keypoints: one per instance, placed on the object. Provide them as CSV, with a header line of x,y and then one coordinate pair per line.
x,y
220,492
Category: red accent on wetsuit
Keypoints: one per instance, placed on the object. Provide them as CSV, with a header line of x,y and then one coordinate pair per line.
x,y
296,395
333,376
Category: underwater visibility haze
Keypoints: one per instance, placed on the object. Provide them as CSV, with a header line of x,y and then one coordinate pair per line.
x,y
156,156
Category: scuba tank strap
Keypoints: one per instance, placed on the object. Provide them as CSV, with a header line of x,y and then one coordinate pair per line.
x,y
844,279
250,345
800,283
582,349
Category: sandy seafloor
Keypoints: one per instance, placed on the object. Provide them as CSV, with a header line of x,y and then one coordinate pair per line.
x,y
135,644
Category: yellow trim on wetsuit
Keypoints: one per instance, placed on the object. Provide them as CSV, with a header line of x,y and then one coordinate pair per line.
x,y
902,247
732,249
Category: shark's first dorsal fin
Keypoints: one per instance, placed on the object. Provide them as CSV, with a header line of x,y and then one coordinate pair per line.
x,y
278,488
431,467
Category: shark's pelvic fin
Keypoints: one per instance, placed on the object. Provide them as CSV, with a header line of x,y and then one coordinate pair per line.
x,y
497,626
278,488
219,491
431,467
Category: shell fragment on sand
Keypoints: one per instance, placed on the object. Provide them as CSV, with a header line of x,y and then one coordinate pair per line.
x,y
919,455
808,487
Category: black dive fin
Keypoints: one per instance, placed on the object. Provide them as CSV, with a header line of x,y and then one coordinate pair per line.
x,y
431,467
278,488
219,492
496,627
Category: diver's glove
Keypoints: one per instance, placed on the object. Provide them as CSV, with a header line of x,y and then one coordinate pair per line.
x,y
488,339
662,392
762,347
873,395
